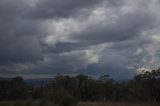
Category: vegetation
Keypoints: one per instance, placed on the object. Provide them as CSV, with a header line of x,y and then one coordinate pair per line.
x,y
23,103
67,91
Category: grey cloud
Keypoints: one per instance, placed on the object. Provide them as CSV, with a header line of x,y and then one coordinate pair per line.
x,y
11,10
21,49
19,40
128,26
46,9
138,42
23,31
62,47
114,63
67,63
114,3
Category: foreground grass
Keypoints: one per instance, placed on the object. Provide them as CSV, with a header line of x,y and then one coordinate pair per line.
x,y
36,103
19,103
116,104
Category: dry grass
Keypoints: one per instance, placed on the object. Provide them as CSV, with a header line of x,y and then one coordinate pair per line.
x,y
115,104
19,103
24,103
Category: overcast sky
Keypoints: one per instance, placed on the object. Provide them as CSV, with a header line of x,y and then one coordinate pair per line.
x,y
39,38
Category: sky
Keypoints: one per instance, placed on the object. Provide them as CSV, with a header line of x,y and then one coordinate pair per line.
x,y
40,38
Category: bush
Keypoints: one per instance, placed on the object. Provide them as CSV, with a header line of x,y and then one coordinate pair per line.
x,y
47,97
21,103
68,100
60,98
64,99
45,102
5,104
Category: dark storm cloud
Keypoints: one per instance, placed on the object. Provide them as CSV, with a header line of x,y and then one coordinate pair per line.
x,y
67,47
46,9
20,34
115,2
18,40
132,43
22,49
10,9
67,63
78,36
62,47
128,26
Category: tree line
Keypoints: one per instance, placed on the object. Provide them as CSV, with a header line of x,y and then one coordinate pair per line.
x,y
66,89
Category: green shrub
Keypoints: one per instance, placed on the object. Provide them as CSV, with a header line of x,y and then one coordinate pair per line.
x,y
5,104
44,102
28,103
47,97
68,100
60,98
23,103
18,104
64,99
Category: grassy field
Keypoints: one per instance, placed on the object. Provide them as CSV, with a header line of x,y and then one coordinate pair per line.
x,y
19,103
28,103
115,104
